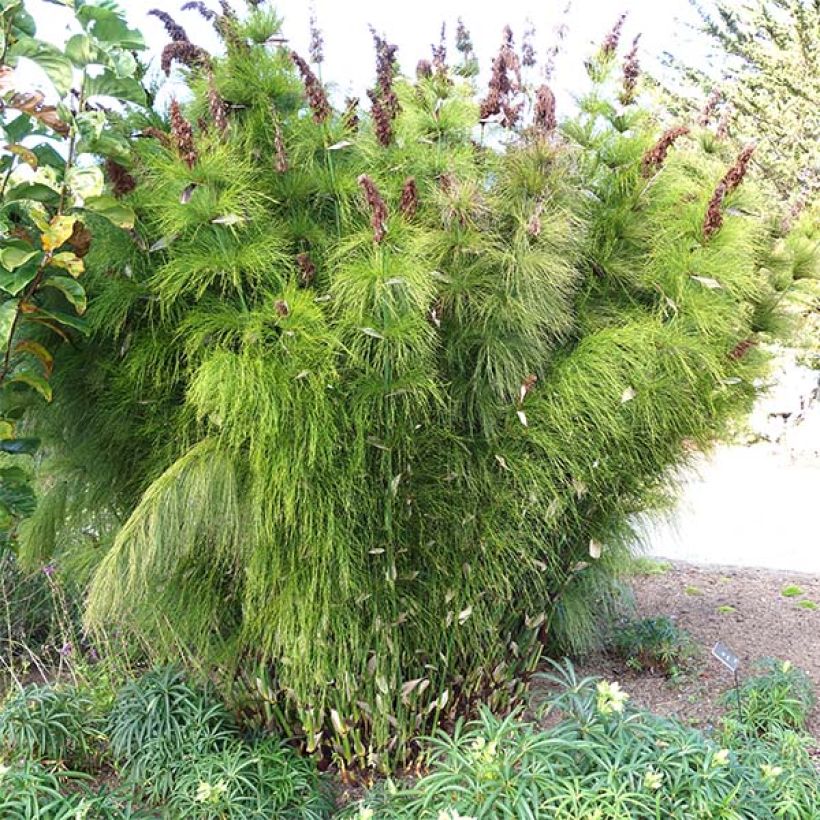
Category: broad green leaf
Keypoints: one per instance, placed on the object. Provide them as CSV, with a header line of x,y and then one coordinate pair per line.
x,y
108,84
60,318
16,494
39,352
19,128
55,64
48,155
8,310
86,182
14,281
69,261
34,381
35,191
24,23
71,289
109,27
59,229
19,446
16,252
113,210
82,51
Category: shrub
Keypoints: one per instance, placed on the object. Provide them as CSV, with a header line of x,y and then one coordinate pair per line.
x,y
256,782
375,403
55,722
653,644
29,791
158,724
780,697
604,760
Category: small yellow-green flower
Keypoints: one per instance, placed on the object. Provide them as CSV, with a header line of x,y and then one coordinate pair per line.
x,y
652,780
206,793
720,757
771,772
365,814
611,698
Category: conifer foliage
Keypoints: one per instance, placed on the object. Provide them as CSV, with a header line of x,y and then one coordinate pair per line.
x,y
372,403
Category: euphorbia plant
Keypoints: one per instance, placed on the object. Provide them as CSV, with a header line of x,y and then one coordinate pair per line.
x,y
371,405
49,187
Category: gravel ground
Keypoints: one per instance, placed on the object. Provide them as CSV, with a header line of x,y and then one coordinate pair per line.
x,y
743,608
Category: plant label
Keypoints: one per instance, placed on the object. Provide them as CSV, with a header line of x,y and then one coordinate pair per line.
x,y
726,656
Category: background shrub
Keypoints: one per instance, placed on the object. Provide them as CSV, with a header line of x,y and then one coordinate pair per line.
x,y
654,644
781,696
54,722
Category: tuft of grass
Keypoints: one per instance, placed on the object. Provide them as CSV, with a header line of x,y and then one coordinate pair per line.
x,y
648,566
726,608
693,590
791,591
807,604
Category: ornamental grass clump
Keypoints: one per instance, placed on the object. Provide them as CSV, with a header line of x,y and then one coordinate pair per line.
x,y
374,403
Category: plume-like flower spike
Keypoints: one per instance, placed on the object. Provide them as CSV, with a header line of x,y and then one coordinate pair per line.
x,y
730,182
632,71
409,203
122,182
183,52
316,96
654,158
174,29
378,208
183,135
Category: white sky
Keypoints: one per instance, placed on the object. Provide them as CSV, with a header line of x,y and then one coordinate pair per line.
x,y
415,24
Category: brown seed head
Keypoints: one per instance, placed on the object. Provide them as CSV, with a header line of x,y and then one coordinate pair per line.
x,y
378,209
654,158
307,270
183,135
317,99
632,71
183,52
409,203
544,113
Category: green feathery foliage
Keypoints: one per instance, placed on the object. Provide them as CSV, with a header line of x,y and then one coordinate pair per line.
x,y
367,406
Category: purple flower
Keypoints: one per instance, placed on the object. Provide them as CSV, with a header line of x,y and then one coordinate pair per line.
x,y
66,649
49,570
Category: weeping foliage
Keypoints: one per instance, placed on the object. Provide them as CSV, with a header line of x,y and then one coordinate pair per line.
x,y
365,445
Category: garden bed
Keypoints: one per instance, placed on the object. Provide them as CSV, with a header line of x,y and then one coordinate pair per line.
x,y
757,613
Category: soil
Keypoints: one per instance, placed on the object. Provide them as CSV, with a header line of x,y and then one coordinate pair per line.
x,y
746,609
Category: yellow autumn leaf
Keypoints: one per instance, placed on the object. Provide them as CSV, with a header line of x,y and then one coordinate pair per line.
x,y
59,229
68,261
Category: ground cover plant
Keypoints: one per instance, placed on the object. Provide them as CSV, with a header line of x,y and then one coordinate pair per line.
x,y
652,644
366,401
605,759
